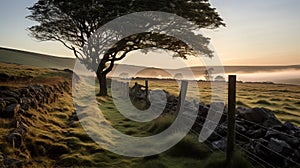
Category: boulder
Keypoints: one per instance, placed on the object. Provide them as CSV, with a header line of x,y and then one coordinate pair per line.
x,y
259,147
241,109
297,134
273,134
259,115
240,127
10,111
290,126
219,145
280,146
290,139
256,134
4,77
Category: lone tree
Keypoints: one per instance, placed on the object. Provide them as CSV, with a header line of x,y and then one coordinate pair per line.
x,y
73,22
208,74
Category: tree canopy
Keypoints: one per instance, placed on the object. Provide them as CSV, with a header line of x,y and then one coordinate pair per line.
x,y
73,22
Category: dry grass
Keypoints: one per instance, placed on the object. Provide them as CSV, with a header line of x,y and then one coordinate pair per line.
x,y
283,99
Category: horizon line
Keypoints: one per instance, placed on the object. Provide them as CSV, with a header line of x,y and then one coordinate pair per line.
x,y
72,57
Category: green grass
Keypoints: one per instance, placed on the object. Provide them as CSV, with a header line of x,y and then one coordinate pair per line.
x,y
55,141
188,153
34,59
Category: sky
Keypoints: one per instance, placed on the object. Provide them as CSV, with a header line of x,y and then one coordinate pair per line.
x,y
257,32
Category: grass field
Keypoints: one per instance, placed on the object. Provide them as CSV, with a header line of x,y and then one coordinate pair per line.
x,y
283,99
55,138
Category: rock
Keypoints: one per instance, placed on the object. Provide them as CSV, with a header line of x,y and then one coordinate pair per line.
x,y
221,130
12,162
259,115
10,111
15,139
241,110
297,134
254,115
34,103
25,103
256,134
2,105
273,134
259,147
4,77
240,127
292,141
24,92
296,156
290,126
8,93
280,146
220,144
10,100
203,111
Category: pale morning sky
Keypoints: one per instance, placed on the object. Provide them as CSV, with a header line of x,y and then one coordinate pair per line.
x,y
258,32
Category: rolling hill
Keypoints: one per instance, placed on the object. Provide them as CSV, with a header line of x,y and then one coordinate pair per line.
x,y
34,59
47,61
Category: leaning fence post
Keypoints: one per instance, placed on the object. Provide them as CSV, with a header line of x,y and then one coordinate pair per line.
x,y
231,117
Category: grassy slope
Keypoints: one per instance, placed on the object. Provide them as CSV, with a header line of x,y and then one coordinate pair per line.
x,y
56,138
34,59
188,153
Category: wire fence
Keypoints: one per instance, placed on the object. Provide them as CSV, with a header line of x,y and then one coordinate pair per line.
x,y
252,156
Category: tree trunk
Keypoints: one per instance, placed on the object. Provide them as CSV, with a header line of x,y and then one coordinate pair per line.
x,y
103,84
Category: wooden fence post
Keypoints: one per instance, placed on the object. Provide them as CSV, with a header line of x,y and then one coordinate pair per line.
x,y
146,88
231,117
182,95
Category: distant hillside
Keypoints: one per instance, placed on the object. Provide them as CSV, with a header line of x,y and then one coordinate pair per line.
x,y
47,61
35,59
247,69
